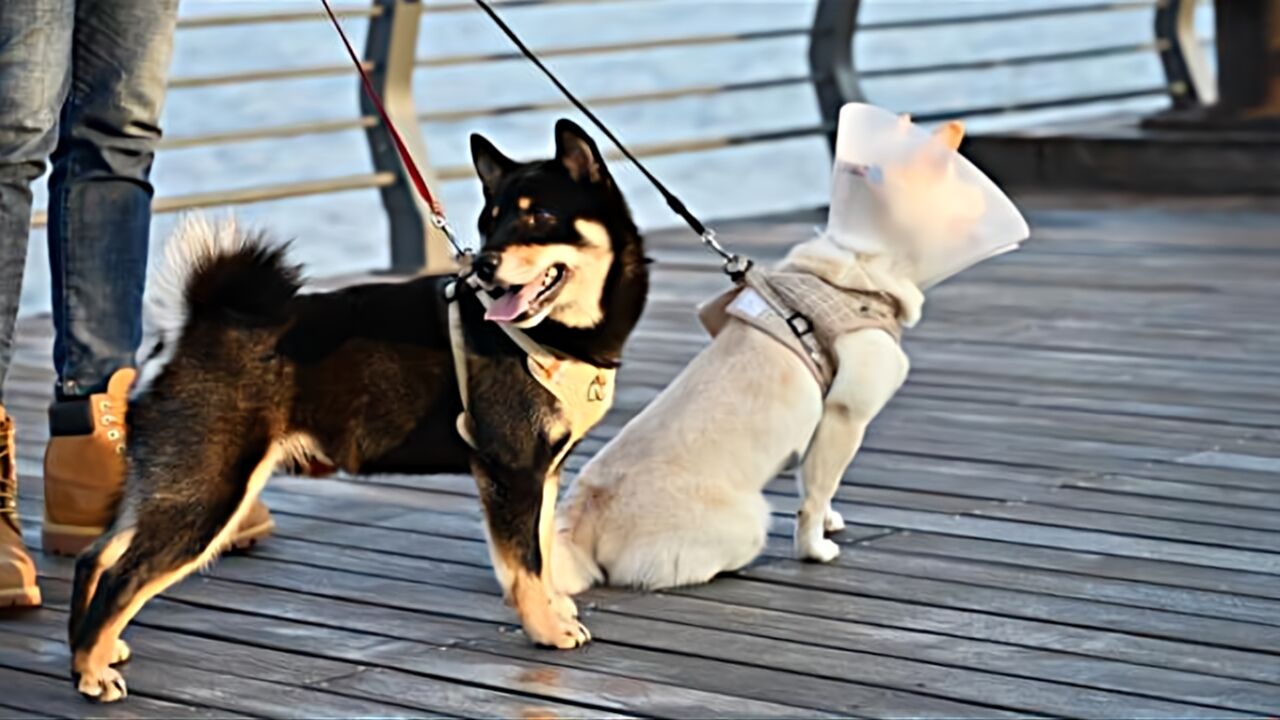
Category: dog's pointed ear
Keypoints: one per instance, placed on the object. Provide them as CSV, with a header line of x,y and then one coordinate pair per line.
x,y
491,164
950,134
578,153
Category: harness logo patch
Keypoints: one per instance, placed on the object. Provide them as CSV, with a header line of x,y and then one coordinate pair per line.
x,y
596,390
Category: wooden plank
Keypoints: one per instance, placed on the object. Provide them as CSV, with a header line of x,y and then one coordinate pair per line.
x,y
1015,661
773,687
441,656
1049,634
1237,583
984,689
394,660
195,651
1012,603
42,693
1066,538
187,685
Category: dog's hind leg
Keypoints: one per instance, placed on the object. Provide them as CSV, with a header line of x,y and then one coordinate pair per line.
x,y
102,555
166,541
872,368
520,518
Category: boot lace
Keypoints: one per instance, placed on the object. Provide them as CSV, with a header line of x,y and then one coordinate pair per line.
x,y
113,424
8,473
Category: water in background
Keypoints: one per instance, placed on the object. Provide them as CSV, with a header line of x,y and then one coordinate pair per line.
x,y
347,232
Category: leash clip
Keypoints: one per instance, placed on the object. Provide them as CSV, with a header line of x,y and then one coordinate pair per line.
x,y
735,266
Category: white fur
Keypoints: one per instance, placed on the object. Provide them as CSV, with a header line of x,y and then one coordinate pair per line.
x,y
195,241
677,496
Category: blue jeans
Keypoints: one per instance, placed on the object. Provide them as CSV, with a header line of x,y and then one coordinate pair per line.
x,y
82,83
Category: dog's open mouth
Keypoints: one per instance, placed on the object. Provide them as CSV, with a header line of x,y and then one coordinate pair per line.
x,y
521,302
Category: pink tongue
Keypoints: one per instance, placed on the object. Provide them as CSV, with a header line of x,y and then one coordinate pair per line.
x,y
512,304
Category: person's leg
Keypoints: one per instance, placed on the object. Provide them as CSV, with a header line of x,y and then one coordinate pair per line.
x,y
100,194
35,53
35,59
99,232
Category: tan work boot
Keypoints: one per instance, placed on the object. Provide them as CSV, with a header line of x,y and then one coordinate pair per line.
x,y
17,573
84,471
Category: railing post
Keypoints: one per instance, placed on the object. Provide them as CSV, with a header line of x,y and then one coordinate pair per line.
x,y
831,60
391,49
1186,69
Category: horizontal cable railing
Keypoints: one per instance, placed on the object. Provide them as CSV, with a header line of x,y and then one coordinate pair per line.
x,y
260,18
441,116
1008,15
391,57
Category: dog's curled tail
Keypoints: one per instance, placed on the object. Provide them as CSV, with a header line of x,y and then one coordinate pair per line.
x,y
219,271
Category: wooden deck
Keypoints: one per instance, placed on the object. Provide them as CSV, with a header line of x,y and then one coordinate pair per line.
x,y
1072,509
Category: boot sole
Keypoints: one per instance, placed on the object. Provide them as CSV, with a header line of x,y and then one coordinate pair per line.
x,y
20,598
70,540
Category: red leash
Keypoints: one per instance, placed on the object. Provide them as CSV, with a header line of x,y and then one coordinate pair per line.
x,y
420,184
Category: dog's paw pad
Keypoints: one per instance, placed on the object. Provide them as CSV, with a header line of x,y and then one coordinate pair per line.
x,y
822,551
122,653
105,686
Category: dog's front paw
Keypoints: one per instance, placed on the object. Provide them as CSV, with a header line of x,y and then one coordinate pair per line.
x,y
821,550
558,633
557,625
832,522
104,686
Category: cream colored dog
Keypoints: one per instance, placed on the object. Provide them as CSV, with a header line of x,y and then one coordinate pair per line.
x,y
677,496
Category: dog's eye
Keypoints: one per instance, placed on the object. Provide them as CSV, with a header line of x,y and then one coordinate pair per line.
x,y
540,218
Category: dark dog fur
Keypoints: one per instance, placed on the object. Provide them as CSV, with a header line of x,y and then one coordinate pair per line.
x,y
363,380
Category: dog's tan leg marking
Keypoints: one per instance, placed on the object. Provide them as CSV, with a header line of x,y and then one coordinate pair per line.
x,y
109,556
872,368
561,604
98,680
549,617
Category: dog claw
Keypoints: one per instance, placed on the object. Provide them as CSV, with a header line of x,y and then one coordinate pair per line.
x,y
575,638
106,686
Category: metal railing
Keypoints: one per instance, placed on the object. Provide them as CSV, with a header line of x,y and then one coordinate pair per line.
x,y
1186,67
831,37
837,79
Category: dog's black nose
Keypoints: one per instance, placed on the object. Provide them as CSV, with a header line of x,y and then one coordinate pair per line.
x,y
486,266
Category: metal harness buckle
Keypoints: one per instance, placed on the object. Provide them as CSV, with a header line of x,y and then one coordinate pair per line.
x,y
794,321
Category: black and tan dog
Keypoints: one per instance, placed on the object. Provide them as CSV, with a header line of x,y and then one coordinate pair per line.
x,y
246,375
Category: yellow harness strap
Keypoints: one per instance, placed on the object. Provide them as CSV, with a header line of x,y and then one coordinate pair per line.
x,y
584,391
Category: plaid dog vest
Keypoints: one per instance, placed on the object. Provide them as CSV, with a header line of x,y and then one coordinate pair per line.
x,y
804,313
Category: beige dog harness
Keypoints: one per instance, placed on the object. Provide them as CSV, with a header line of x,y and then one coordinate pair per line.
x,y
803,312
584,391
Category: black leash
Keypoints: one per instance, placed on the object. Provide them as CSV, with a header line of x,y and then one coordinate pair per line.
x,y
735,265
